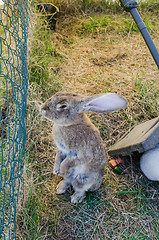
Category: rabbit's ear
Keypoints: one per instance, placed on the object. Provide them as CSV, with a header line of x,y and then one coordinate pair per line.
x,y
103,103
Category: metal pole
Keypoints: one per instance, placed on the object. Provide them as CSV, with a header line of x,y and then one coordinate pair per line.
x,y
130,6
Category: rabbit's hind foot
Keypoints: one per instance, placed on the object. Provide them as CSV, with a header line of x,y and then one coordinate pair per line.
x,y
78,197
62,187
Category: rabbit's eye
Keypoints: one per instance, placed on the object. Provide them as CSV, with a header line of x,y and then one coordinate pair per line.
x,y
61,107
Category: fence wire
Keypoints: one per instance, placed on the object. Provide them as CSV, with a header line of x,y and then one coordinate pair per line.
x,y
13,94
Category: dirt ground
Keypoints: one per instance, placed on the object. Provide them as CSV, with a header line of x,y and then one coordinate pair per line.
x,y
111,62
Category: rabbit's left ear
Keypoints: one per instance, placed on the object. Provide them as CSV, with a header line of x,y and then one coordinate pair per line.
x,y
103,103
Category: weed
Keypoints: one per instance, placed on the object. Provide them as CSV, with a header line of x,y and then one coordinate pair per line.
x,y
28,220
146,99
149,5
44,55
107,24
117,24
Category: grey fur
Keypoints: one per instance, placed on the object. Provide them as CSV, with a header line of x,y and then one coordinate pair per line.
x,y
81,157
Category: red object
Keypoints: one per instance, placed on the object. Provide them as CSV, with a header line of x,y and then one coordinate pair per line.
x,y
118,160
114,162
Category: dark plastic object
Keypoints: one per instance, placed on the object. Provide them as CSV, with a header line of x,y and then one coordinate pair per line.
x,y
50,12
130,6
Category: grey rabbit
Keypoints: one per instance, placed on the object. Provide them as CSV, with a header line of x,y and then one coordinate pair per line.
x,y
81,157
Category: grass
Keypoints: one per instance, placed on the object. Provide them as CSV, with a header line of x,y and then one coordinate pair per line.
x,y
81,6
75,7
44,59
118,24
90,54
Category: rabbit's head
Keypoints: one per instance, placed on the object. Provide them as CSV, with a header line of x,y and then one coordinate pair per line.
x,y
68,108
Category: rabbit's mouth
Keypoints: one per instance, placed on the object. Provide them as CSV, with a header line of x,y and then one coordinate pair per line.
x,y
45,114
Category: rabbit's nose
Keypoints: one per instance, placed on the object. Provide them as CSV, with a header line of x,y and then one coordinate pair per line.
x,y
43,112
43,109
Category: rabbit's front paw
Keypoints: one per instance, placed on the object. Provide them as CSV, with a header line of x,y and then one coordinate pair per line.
x,y
56,169
78,197
63,169
62,187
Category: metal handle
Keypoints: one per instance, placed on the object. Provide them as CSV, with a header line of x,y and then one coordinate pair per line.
x,y
130,6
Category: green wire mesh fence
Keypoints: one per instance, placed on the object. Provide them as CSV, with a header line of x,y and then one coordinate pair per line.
x,y
13,94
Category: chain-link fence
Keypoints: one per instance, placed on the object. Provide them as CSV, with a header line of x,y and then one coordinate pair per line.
x,y
13,94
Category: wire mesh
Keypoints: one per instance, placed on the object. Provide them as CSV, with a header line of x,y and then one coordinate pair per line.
x,y
13,95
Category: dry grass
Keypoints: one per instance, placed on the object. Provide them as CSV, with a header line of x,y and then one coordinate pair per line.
x,y
90,62
75,7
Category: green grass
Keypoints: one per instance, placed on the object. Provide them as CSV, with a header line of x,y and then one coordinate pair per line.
x,y
28,218
118,24
44,59
146,96
98,216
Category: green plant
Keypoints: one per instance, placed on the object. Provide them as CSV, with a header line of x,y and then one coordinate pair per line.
x,y
44,55
28,219
115,24
146,97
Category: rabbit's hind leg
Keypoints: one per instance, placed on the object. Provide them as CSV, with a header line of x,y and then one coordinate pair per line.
x,y
84,181
78,196
81,184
